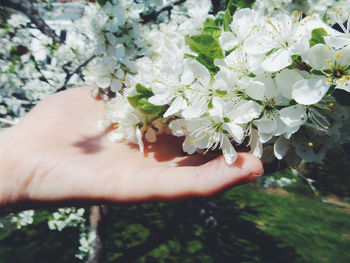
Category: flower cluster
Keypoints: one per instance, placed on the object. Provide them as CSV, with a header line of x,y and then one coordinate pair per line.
x,y
115,32
278,84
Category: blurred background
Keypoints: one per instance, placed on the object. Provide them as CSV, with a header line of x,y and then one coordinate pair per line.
x,y
294,215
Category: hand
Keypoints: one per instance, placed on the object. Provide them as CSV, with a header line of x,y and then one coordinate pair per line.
x,y
56,154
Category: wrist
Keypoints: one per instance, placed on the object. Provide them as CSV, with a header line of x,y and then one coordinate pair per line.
x,y
10,184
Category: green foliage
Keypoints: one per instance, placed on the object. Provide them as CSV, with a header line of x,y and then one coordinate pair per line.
x,y
254,225
317,35
219,20
207,47
205,44
37,243
140,102
102,2
227,20
233,5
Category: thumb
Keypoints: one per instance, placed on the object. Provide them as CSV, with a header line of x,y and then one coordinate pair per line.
x,y
206,179
217,175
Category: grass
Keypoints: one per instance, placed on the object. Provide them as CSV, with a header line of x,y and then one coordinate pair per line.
x,y
246,224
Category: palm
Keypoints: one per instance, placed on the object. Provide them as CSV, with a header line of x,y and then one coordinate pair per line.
x,y
64,157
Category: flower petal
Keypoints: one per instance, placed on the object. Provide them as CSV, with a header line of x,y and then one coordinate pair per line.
x,y
229,151
310,91
235,131
293,115
280,147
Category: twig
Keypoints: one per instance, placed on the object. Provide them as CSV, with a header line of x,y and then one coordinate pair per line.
x,y
27,7
77,70
153,15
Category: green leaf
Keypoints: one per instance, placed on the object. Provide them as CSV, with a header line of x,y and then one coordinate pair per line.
x,y
189,56
143,90
215,31
134,100
102,2
317,35
227,20
209,22
325,18
233,5
219,20
141,103
205,44
208,63
148,108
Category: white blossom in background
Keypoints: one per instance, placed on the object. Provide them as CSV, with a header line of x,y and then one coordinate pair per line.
x,y
23,218
67,217
86,240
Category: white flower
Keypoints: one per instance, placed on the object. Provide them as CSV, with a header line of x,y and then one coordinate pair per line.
x,y
169,90
333,63
210,133
282,37
126,120
340,40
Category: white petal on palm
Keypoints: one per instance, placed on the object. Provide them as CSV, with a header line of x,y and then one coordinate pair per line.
x,y
293,115
285,80
280,147
310,91
277,60
228,150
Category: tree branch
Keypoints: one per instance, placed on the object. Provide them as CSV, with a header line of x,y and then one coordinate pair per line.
x,y
153,15
27,7
77,70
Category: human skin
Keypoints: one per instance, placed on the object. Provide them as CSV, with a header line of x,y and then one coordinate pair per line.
x,y
56,154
